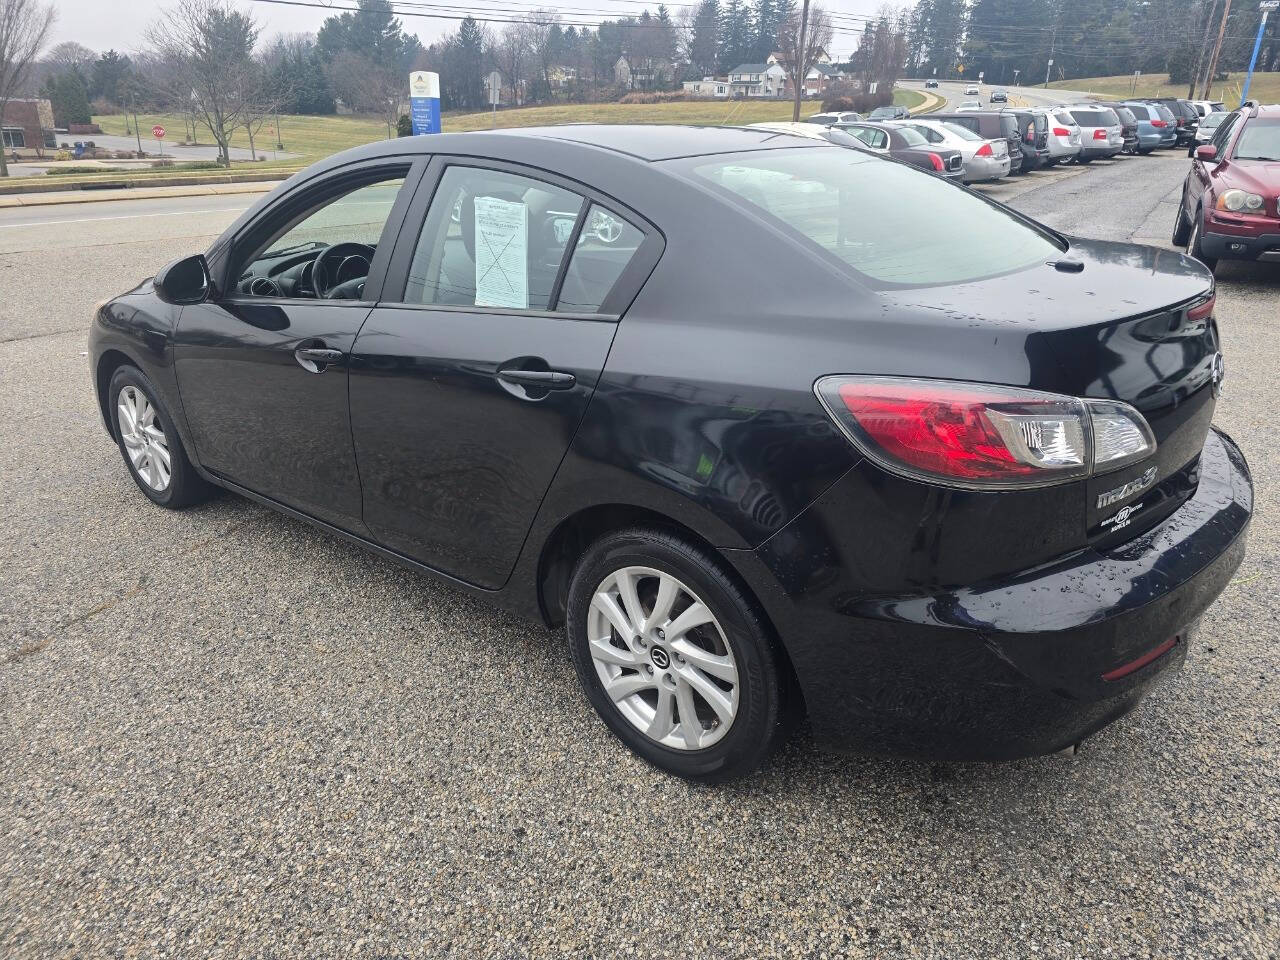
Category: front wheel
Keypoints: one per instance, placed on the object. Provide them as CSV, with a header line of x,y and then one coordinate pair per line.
x,y
149,444
1195,247
674,657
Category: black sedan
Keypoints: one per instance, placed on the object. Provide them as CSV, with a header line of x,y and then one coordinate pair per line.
x,y
909,146
769,426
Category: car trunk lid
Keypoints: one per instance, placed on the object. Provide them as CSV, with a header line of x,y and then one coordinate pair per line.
x,y
1095,333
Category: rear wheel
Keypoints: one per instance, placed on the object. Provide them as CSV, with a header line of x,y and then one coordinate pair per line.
x,y
1084,159
674,657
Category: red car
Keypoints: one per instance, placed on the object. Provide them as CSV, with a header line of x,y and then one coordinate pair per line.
x,y
1229,201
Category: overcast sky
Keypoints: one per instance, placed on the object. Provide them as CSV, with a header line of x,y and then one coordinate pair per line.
x,y
121,24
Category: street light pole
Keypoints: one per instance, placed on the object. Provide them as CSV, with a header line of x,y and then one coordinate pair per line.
x,y
1266,6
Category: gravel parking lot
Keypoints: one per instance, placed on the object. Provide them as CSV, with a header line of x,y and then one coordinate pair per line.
x,y
223,733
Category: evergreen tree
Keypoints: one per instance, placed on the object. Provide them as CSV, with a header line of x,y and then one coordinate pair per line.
x,y
737,35
704,41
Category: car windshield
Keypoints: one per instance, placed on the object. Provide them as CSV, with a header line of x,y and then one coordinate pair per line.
x,y
880,113
890,223
913,137
1259,141
1212,120
964,133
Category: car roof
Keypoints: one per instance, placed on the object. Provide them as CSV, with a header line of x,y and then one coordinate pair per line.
x,y
1268,110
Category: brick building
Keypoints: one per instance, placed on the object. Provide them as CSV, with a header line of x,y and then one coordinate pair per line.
x,y
28,124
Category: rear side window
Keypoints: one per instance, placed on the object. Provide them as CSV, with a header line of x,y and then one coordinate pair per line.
x,y
964,133
1063,117
604,248
890,223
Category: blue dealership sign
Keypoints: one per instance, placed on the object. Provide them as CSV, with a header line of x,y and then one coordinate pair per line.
x,y
424,101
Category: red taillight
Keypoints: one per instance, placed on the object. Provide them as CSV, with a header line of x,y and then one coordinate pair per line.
x,y
1099,134
984,151
1202,310
979,436
937,162
1159,123
1061,132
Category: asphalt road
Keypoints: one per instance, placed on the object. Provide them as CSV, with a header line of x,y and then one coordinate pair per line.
x,y
225,734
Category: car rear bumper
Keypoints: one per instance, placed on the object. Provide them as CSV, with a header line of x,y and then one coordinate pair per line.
x,y
1226,246
1025,666
1107,150
977,169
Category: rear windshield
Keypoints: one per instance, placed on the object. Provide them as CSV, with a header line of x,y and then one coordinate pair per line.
x,y
964,133
889,222
1259,141
1096,118
913,137
1009,124
1125,115
1165,113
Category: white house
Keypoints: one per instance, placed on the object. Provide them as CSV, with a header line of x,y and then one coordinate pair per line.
x,y
709,87
758,80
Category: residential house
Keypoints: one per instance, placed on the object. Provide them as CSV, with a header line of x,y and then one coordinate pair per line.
x,y
646,74
708,87
758,80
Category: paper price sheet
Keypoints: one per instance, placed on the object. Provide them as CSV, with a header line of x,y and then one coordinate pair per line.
x,y
502,253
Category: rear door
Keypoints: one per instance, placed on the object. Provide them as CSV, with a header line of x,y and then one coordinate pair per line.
x,y
469,378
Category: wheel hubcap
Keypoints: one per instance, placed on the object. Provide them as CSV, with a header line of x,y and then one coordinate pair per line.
x,y
662,658
144,440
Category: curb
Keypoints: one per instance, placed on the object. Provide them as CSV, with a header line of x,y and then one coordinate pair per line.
x,y
134,193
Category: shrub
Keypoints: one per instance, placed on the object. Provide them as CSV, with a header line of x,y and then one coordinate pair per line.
x,y
653,96
162,162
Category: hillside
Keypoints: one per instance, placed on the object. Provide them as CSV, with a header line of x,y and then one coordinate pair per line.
x,y
1265,87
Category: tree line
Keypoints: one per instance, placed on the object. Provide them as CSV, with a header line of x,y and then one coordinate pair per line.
x,y
1029,41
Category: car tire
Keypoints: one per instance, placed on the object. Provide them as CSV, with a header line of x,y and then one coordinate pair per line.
x,y
1181,228
1195,248
144,432
1084,159
725,670
1145,152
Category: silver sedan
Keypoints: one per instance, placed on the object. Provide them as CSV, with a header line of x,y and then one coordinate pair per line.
x,y
983,159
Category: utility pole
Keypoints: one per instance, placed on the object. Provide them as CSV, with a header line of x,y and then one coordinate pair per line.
x,y
1217,49
1053,42
1196,74
801,67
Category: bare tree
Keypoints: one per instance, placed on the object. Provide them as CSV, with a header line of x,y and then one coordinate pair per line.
x,y
802,38
24,30
210,45
368,86
514,56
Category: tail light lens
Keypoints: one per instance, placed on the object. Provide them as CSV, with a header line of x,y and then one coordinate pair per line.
x,y
1061,132
984,151
1099,134
1202,310
1159,123
936,161
983,437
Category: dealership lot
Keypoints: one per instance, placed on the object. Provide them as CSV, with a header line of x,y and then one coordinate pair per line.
x,y
227,733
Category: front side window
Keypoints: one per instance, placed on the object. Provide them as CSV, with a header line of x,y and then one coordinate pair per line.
x,y
890,223
325,250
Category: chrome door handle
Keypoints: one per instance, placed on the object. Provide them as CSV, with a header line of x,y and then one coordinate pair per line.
x,y
317,359
546,379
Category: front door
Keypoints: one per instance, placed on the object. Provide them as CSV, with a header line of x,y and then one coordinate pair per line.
x,y
467,387
262,368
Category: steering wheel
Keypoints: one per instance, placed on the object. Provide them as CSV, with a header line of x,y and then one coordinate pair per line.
x,y
340,270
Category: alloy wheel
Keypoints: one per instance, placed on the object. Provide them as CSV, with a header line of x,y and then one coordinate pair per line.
x,y
143,438
662,658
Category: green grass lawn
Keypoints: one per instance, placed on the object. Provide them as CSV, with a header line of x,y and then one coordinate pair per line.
x,y
1265,87
315,137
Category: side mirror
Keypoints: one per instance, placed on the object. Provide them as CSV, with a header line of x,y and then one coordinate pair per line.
x,y
1208,153
184,281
